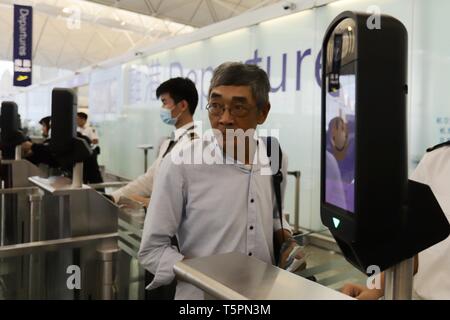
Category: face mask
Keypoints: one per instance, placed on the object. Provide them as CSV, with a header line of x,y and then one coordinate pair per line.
x,y
166,116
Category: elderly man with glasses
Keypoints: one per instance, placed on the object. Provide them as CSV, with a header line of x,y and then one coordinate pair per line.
x,y
227,205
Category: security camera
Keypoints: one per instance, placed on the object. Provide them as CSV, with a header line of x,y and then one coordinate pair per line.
x,y
289,6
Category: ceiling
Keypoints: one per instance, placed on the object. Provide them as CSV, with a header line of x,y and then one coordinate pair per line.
x,y
196,13
73,34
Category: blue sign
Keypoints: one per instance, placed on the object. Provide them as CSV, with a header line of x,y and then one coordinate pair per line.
x,y
23,41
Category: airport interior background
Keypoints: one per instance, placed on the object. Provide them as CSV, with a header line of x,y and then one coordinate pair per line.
x,y
114,54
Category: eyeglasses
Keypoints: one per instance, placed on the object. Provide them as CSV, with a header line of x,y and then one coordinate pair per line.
x,y
236,110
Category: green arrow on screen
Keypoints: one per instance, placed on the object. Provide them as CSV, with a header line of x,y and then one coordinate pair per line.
x,y
336,222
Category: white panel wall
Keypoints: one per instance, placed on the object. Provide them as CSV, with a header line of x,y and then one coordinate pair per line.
x,y
123,106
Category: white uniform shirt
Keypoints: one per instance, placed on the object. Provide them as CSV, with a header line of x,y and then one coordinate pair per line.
x,y
212,209
432,280
89,132
143,185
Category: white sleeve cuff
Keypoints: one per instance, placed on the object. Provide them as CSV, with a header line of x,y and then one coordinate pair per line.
x,y
164,273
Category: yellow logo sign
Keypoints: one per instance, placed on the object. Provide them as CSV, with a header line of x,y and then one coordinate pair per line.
x,y
21,78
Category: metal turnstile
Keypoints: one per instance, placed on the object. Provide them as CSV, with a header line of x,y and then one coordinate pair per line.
x,y
235,276
69,212
130,278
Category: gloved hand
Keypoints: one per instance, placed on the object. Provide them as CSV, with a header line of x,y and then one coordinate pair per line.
x,y
26,148
292,257
130,203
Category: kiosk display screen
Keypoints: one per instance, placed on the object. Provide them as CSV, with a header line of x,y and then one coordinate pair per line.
x,y
340,136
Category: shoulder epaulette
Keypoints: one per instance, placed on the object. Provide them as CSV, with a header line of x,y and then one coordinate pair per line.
x,y
193,135
439,146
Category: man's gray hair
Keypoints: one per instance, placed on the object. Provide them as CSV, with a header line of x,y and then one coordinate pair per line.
x,y
240,74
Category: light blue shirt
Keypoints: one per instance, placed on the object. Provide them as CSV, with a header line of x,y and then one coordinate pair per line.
x,y
212,209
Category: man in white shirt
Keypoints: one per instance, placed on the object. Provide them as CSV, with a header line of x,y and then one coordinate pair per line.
x,y
223,205
179,98
85,129
432,266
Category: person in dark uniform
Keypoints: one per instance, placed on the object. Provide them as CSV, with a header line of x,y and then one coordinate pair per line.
x,y
38,153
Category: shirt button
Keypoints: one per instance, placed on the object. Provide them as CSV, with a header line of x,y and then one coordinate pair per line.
x,y
252,200
251,227
250,254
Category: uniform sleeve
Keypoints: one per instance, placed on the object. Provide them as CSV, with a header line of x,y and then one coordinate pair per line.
x,y
156,254
143,185
41,154
421,174
276,221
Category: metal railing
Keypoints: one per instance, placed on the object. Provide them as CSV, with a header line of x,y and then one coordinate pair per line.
x,y
54,245
112,184
34,196
26,190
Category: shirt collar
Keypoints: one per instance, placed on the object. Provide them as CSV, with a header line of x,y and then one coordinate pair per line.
x,y
177,133
260,158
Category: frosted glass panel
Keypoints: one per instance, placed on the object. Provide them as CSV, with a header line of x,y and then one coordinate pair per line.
x,y
125,110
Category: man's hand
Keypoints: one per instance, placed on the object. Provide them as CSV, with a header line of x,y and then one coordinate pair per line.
x,y
140,199
26,148
130,203
292,257
361,292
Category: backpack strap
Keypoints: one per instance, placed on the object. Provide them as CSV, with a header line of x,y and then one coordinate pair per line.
x,y
277,178
447,143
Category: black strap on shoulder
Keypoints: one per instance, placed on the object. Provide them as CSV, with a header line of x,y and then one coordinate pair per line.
x,y
169,147
439,146
277,177
192,135
172,143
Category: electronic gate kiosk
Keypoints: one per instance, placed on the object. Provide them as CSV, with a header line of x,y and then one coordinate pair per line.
x,y
377,216
73,209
